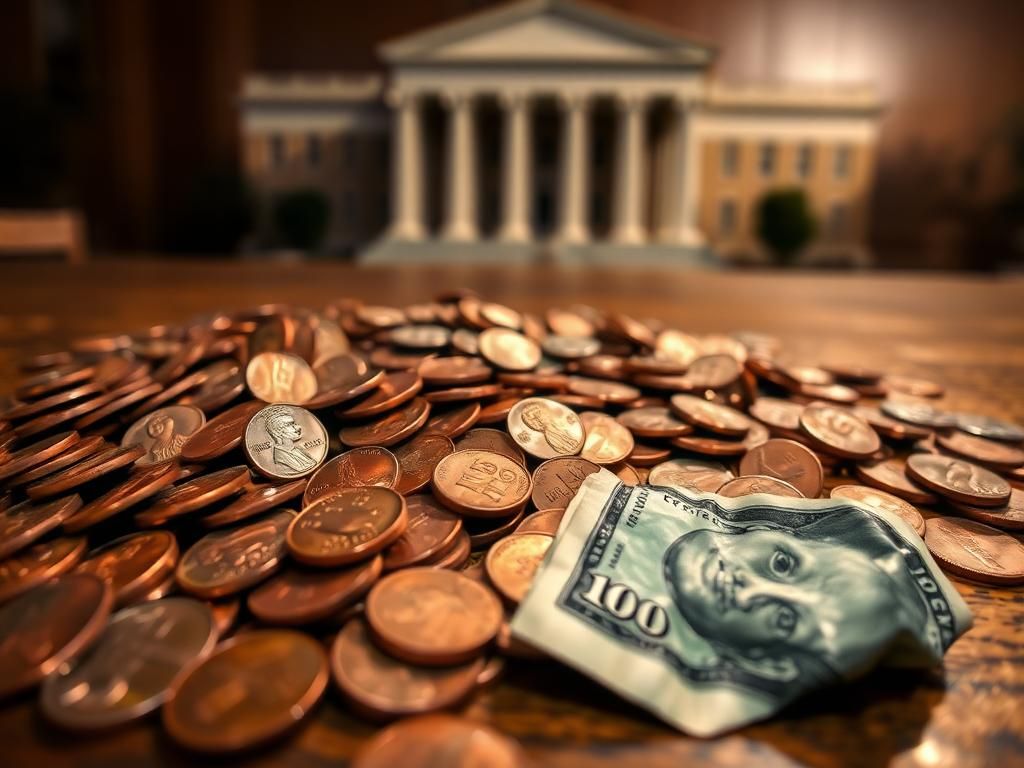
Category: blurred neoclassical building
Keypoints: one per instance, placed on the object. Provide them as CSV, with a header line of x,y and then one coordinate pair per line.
x,y
561,128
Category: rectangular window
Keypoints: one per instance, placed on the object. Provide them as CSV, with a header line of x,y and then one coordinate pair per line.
x,y
804,161
766,159
314,150
727,218
843,159
730,159
276,146
838,221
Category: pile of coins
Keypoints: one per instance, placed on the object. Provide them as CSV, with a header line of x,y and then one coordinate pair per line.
x,y
218,520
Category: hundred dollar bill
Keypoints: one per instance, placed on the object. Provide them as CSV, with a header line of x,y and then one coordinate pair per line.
x,y
713,612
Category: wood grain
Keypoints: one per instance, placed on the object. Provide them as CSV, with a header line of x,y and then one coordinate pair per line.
x,y
965,332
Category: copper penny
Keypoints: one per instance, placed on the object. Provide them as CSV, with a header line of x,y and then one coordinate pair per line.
x,y
83,449
570,347
690,474
545,429
512,563
1009,517
195,493
220,435
390,429
381,317
648,455
988,427
303,597
454,371
436,740
33,455
607,441
495,440
566,323
777,414
279,377
603,390
628,475
139,486
876,499
958,480
786,460
982,450
35,407
85,471
654,421
712,372
456,556
394,389
556,481
417,460
38,563
717,418
481,483
484,531
508,349
43,629
225,562
543,521
890,475
251,690
431,531
498,411
133,565
254,501
456,421
975,551
118,404
892,428
432,617
554,382
380,687
351,525
346,390
25,523
423,337
748,484
710,445
837,430
53,419
353,469
911,385
631,329
463,394
49,381
128,673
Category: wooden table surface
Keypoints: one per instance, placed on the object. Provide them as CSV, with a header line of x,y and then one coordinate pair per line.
x,y
967,332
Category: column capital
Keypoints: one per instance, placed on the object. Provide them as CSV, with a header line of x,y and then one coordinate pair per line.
x,y
688,103
396,98
573,102
456,99
631,102
514,99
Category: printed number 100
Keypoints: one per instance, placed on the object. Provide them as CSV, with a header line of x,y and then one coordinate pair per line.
x,y
622,603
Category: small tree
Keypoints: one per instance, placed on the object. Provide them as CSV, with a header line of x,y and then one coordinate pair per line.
x,y
301,218
785,223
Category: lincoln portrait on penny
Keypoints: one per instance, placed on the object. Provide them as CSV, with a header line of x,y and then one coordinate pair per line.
x,y
285,432
540,418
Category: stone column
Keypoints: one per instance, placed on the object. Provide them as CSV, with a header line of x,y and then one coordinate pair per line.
x,y
687,183
460,220
628,224
516,159
406,168
573,207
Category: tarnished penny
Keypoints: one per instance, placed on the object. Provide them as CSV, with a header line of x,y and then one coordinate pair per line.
x,y
982,450
690,474
394,389
1009,517
390,429
607,441
431,530
543,521
889,427
251,690
440,740
958,480
712,416
748,484
85,471
139,486
351,525
380,687
512,562
921,414
787,460
837,430
353,469
283,442
545,429
654,421
40,562
128,673
417,460
27,522
496,440
890,475
221,434
481,483
133,565
715,371
278,377
254,501
876,499
988,427
298,597
508,349
433,617
975,551
557,480
43,629
192,494
225,562
31,455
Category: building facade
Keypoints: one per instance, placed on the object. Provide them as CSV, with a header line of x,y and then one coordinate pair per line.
x,y
564,129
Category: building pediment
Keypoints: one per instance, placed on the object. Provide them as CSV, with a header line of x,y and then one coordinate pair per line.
x,y
548,31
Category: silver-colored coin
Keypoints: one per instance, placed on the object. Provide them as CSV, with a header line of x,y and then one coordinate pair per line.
x,y
690,475
285,441
163,432
421,336
921,414
986,426
570,347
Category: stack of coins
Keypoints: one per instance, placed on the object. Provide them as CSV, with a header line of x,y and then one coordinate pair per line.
x,y
187,512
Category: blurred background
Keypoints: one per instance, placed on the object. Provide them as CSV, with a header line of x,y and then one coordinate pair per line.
x,y
801,133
